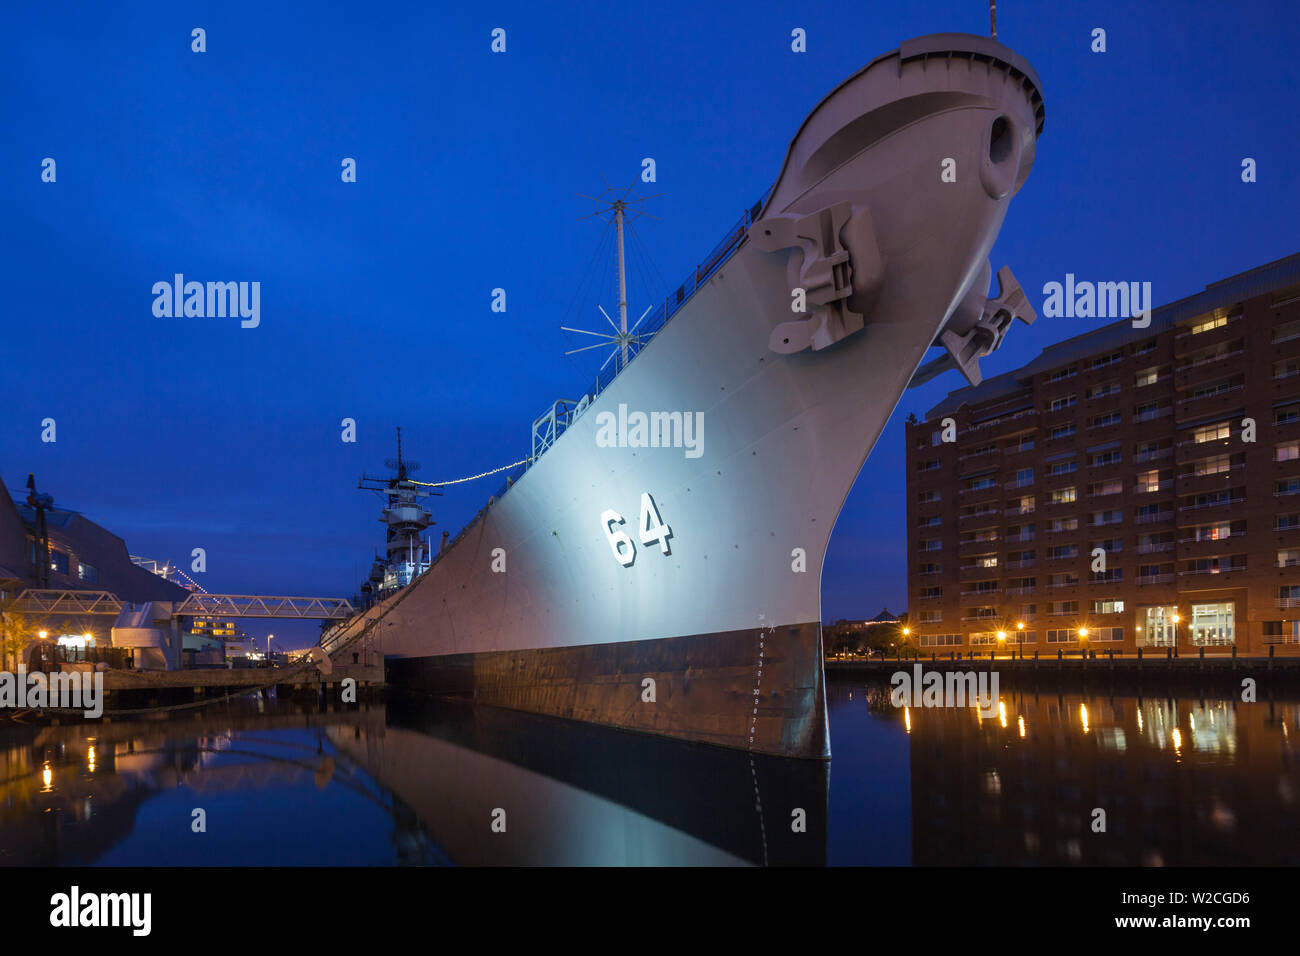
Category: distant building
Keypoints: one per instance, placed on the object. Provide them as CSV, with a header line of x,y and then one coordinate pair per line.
x,y
83,556
1129,488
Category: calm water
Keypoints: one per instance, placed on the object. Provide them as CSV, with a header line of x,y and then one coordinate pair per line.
x,y
1182,782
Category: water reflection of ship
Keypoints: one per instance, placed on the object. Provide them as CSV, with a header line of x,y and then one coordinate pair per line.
x,y
1183,782
587,795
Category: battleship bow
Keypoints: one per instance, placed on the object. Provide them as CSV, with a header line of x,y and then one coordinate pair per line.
x,y
701,620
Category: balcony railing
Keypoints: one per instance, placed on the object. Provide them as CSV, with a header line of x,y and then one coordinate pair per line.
x,y
1214,394
992,513
1188,475
1152,455
1155,548
1222,537
1213,504
1150,489
1288,602
1017,592
1152,416
1206,361
1151,519
983,591
1234,567
1154,578
1022,564
1019,483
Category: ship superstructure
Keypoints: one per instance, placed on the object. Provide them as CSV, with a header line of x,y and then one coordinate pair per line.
x,y
635,576
406,554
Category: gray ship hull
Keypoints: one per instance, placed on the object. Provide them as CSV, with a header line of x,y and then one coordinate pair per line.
x,y
535,607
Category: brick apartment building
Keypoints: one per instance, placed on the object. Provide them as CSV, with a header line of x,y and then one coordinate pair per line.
x,y
1130,441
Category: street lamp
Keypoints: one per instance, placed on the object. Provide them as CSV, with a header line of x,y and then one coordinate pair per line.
x,y
1020,639
1002,638
268,649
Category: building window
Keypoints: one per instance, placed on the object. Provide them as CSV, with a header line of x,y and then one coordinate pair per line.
x,y
1218,465
58,561
931,522
1287,416
1288,558
1110,574
935,592
1211,433
1063,552
1157,628
1062,374
1287,523
1063,468
930,465
1060,404
87,573
1062,431
1212,624
1057,608
1209,325
929,568
1286,332
1106,360
1103,421
1101,391
1146,412
1286,368
926,497
1106,517
1065,524
1100,489
1108,607
1061,635
1063,496
1106,458
1106,634
1287,451
1148,376
1287,486
1148,481
931,544
940,640
929,617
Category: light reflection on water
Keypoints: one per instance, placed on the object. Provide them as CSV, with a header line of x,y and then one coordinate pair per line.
x,y
1182,782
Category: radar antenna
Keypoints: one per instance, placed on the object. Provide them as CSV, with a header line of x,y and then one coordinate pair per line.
x,y
620,342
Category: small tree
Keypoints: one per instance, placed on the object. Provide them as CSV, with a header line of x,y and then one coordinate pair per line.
x,y
15,635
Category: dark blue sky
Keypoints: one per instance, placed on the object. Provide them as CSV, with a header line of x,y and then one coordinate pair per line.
x,y
182,433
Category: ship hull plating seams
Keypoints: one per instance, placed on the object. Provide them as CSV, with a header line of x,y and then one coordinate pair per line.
x,y
786,435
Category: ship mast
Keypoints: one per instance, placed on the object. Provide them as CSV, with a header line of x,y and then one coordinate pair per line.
x,y
619,207
618,211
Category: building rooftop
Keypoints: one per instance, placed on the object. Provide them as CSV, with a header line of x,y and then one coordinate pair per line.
x,y
1225,292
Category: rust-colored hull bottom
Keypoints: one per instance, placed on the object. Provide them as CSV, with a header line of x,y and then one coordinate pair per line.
x,y
759,689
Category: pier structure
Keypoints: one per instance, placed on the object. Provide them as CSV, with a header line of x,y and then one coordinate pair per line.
x,y
155,629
